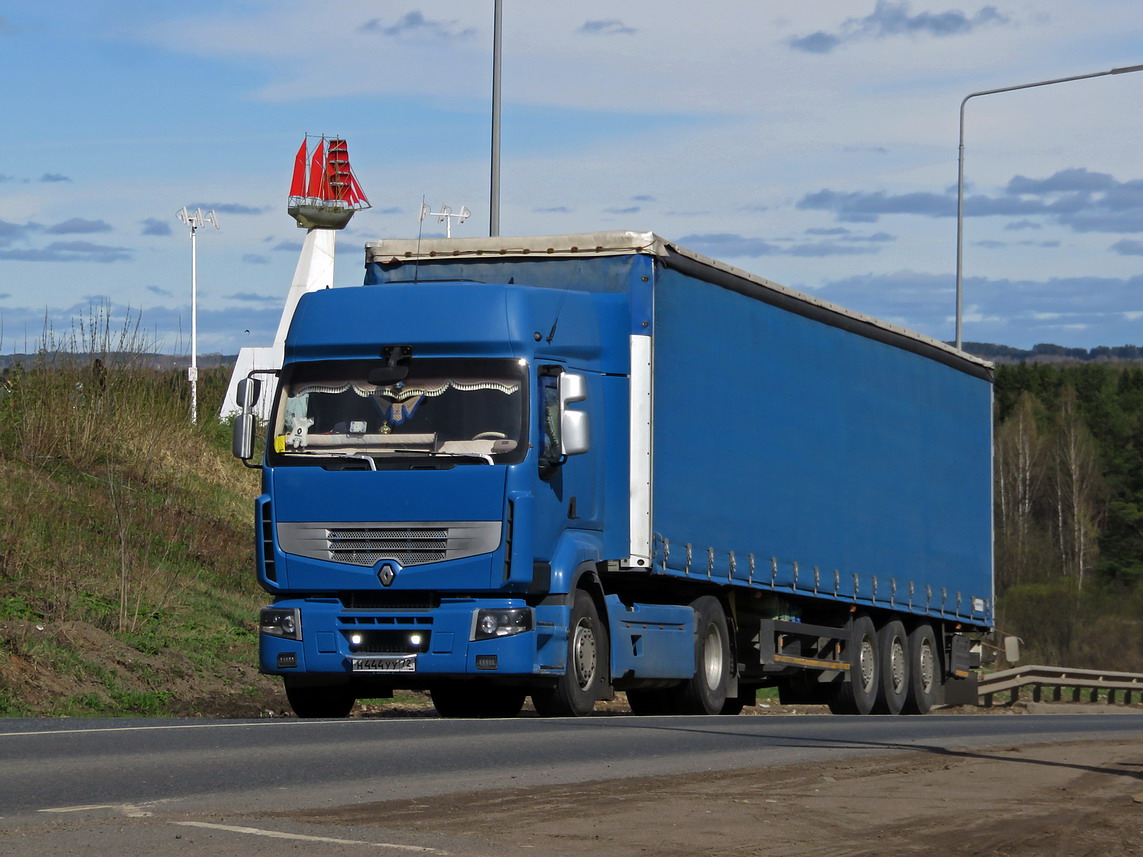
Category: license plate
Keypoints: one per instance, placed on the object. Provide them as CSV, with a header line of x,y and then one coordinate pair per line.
x,y
386,664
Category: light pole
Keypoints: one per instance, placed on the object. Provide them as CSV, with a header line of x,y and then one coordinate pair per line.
x,y
960,166
194,221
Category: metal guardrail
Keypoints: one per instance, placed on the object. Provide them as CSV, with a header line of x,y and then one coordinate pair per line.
x,y
1058,679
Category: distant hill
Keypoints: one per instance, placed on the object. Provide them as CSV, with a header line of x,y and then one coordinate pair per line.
x,y
131,359
1047,353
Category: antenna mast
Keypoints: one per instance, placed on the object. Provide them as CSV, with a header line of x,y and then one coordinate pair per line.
x,y
445,216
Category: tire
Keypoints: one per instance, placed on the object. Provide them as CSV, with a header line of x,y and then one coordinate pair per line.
x,y
893,659
858,692
469,700
706,691
329,701
924,670
648,703
587,672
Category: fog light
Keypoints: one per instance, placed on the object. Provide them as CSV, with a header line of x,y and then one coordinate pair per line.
x,y
501,623
287,659
487,662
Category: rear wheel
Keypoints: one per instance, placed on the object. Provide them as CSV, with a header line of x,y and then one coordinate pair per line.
x,y
858,693
924,670
893,657
706,691
321,700
586,675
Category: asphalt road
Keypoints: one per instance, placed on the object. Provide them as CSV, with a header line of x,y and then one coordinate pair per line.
x,y
55,769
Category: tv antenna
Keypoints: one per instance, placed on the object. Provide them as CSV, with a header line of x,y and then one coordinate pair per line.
x,y
445,216
194,221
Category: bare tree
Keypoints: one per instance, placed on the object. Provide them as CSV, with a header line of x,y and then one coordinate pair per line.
x,y
1079,491
1020,453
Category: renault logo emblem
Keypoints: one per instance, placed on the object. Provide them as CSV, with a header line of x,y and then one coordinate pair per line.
x,y
386,574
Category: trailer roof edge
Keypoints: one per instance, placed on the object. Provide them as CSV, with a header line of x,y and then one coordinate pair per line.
x,y
618,243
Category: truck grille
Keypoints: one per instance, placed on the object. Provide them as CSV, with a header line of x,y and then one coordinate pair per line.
x,y
367,545
405,543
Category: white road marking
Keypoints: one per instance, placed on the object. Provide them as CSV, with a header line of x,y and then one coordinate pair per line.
x,y
251,724
277,834
128,809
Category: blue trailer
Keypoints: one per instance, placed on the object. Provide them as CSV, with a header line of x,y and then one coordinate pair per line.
x,y
562,467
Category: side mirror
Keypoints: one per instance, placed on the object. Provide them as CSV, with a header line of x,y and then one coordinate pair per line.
x,y
246,396
248,393
575,436
242,443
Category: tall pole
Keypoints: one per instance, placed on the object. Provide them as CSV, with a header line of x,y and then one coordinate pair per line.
x,y
494,192
192,373
193,221
960,168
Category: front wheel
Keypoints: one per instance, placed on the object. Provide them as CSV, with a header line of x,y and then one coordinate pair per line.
x,y
321,701
706,691
586,674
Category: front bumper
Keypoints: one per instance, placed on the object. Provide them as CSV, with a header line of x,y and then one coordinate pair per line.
x,y
436,643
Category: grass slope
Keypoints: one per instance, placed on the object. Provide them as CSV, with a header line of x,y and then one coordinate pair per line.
x,y
126,568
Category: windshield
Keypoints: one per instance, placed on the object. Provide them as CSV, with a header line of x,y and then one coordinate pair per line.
x,y
467,411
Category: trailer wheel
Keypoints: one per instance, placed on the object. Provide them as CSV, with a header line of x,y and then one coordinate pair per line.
x,y
473,700
586,675
893,657
858,693
705,691
321,701
924,670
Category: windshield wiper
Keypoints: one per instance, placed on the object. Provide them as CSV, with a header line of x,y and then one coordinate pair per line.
x,y
435,452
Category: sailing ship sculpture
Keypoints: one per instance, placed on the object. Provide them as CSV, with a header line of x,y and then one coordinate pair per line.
x,y
324,195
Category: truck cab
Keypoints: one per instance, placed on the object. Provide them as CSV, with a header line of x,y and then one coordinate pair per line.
x,y
435,487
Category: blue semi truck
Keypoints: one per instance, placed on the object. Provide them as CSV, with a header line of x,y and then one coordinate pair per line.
x,y
563,467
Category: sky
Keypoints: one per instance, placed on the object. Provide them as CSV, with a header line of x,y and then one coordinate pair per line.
x,y
812,143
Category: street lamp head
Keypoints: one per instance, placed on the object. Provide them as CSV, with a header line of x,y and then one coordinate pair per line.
x,y
960,166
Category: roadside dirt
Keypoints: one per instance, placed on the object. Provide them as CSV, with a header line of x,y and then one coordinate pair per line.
x,y
73,668
1041,801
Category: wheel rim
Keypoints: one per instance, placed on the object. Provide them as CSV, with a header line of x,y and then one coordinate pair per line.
x,y
584,654
712,657
898,664
867,659
928,666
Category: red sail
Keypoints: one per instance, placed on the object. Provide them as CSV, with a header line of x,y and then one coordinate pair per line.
x,y
356,194
337,170
298,184
318,187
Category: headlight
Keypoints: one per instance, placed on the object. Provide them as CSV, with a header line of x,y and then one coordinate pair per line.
x,y
281,622
502,623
